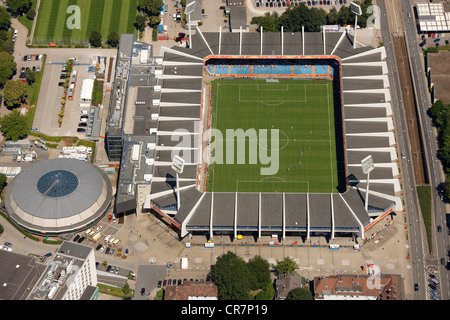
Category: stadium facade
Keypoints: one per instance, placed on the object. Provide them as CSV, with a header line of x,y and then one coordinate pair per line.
x,y
58,196
176,103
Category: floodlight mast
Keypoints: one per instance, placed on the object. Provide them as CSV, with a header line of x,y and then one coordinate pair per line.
x,y
356,9
178,167
188,10
367,166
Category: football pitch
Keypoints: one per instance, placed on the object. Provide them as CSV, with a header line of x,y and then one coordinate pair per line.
x,y
303,113
101,15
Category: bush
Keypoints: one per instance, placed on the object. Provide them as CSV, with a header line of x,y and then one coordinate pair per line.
x,y
30,14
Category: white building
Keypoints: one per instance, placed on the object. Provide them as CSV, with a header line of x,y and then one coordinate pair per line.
x,y
69,275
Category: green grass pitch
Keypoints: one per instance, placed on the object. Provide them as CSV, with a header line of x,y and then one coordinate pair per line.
x,y
101,15
301,110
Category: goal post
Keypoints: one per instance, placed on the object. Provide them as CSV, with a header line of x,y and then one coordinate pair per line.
x,y
268,80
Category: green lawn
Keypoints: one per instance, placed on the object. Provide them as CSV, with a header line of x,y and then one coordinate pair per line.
x,y
424,195
301,110
101,15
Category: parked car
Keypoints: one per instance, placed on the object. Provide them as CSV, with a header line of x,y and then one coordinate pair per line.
x,y
159,283
82,124
47,255
110,218
101,249
142,291
107,250
98,247
108,269
8,244
81,239
76,238
117,270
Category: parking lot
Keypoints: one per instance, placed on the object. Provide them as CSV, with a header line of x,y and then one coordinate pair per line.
x,y
51,93
258,8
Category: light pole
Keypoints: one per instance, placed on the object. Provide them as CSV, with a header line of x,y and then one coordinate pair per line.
x,y
187,11
356,9
367,166
178,166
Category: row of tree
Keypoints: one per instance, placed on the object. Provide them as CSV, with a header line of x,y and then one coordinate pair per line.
x,y
252,280
95,39
312,18
151,13
440,112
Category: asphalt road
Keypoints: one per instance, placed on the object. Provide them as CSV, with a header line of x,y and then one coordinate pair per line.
x,y
404,145
436,175
424,262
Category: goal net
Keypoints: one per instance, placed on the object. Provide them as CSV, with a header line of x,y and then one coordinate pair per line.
x,y
272,81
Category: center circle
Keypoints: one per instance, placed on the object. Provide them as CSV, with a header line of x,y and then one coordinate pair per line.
x,y
57,183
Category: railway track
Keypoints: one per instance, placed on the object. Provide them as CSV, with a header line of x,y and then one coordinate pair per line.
x,y
409,103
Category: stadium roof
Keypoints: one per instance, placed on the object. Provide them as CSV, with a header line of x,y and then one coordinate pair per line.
x,y
368,126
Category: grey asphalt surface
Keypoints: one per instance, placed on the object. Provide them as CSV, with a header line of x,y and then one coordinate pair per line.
x,y
423,262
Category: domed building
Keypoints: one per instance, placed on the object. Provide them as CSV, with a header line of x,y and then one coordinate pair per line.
x,y
58,196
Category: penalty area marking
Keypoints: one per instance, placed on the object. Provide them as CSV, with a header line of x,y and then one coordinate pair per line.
x,y
264,180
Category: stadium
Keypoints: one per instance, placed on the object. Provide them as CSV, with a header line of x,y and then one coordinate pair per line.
x,y
58,196
330,94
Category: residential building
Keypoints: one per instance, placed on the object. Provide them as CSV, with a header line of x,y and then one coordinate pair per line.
x,y
359,287
192,290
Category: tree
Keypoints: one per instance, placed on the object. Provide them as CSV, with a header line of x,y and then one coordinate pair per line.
x,y
260,268
14,126
153,7
95,38
31,76
295,17
140,22
18,6
232,276
30,14
14,93
267,293
286,265
268,21
2,181
333,16
5,19
299,294
113,39
153,21
7,67
346,16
